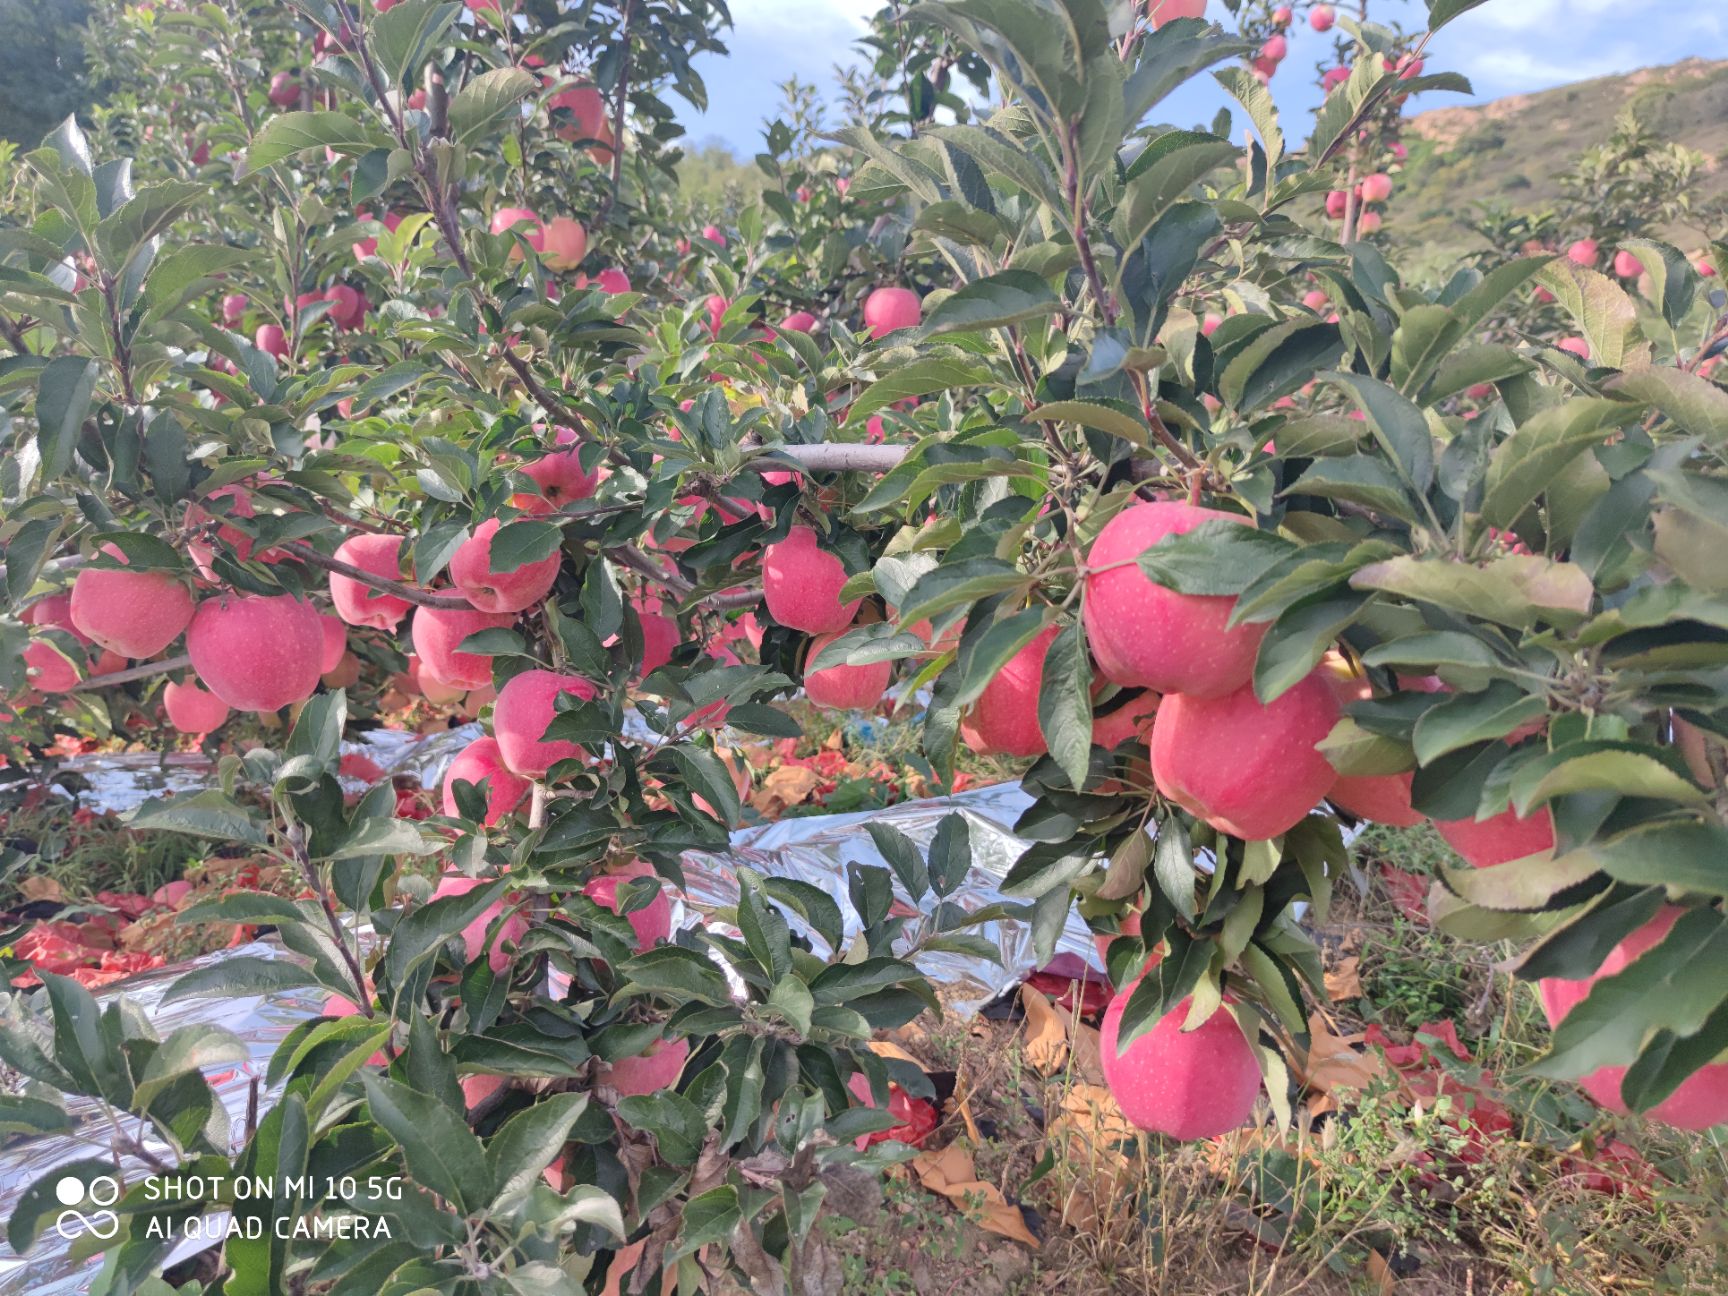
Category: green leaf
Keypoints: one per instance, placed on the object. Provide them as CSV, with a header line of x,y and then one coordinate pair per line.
x,y
1256,100
923,377
1514,590
244,975
530,1141
516,544
62,402
1441,12
1602,310
1427,334
206,814
1465,719
441,1152
1694,405
1397,424
1173,866
1218,557
1008,297
1162,176
1359,479
1115,418
403,34
708,778
487,98
1278,362
903,857
1065,702
1526,463
1001,156
294,132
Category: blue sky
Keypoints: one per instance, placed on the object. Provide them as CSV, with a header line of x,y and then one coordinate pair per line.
x,y
1505,47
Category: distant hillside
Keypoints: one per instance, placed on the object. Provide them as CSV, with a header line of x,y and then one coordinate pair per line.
x,y
1513,150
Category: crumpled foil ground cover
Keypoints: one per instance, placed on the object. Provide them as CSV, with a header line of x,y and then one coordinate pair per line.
x,y
815,849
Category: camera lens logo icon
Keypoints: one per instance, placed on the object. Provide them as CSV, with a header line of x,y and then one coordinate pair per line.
x,y
73,1193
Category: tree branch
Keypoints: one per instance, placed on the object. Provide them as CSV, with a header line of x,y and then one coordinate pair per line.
x,y
407,593
131,673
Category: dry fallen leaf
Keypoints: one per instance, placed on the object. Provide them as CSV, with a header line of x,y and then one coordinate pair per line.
x,y
787,786
1345,980
1095,1178
1333,1062
1087,1060
950,1173
1381,1272
41,888
1046,1037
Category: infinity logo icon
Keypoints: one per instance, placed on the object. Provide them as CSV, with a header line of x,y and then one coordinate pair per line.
x,y
72,1192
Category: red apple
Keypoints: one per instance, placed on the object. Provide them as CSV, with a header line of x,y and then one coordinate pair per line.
x,y
1132,718
613,280
652,1072
482,764
348,309
359,604
1701,1101
1247,768
889,309
438,634
271,340
233,307
660,634
514,928
845,688
284,90
525,706
1185,1084
256,652
1145,635
1496,840
1004,719
1585,252
47,669
801,584
653,922
1378,798
1627,266
191,710
1321,17
798,322
1376,188
564,243
1576,346
335,643
491,590
561,478
136,614
1337,203
523,221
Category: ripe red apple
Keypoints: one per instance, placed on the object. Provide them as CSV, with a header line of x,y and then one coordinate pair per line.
x,y
1004,719
367,247
1585,252
1368,222
438,693
257,652
191,710
1131,719
1500,838
888,309
284,90
652,1072
798,322
524,222
271,340
513,929
716,306
525,706
613,280
438,634
1627,266
1378,798
660,634
1275,49
47,669
344,674
801,584
653,922
1145,635
482,764
359,604
1337,203
1185,1084
561,479
714,234
1701,1101
1163,11
845,688
1576,345
1246,768
476,1089
564,243
340,1006
1376,188
489,590
1322,17
588,120
1283,15
136,614
335,643
233,307
348,310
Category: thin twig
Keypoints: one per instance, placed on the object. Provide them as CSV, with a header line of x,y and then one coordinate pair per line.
x,y
407,593
131,673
